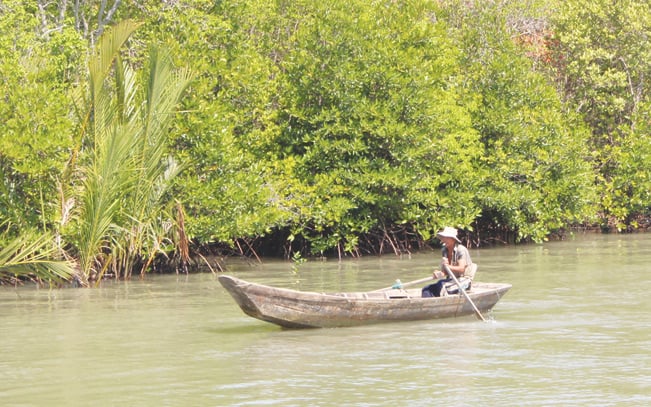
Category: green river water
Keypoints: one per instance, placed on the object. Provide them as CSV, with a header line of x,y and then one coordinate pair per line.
x,y
575,330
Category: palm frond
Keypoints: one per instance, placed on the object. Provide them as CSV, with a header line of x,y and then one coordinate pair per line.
x,y
108,49
105,61
155,168
33,257
106,180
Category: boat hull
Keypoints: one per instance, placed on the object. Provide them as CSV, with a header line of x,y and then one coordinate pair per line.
x,y
301,309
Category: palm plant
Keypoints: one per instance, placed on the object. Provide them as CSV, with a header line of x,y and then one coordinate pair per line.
x,y
31,257
123,170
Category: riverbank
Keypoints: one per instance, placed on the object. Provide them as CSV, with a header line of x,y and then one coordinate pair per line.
x,y
216,258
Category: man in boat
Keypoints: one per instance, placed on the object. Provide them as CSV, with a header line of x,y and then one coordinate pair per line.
x,y
456,258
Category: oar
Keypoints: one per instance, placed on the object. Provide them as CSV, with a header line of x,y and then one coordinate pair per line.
x,y
451,274
421,281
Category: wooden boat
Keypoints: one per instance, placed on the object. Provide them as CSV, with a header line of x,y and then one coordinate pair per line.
x,y
302,309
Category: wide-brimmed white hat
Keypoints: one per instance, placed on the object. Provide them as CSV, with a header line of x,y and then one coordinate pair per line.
x,y
449,232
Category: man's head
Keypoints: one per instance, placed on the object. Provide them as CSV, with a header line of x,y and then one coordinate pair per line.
x,y
448,236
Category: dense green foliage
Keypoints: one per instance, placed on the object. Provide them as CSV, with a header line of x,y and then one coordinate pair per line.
x,y
535,158
319,127
361,126
602,54
35,126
